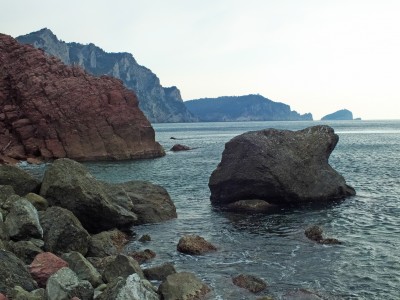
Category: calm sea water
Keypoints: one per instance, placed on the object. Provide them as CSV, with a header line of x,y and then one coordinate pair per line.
x,y
273,246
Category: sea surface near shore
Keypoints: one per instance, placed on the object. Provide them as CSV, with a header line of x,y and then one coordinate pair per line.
x,y
273,246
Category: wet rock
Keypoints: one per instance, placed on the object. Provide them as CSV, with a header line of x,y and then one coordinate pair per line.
x,y
25,250
14,273
145,238
37,201
250,283
22,221
179,147
194,245
314,233
51,110
44,265
62,231
143,256
83,268
159,273
183,285
250,206
65,284
107,243
281,167
21,181
68,184
121,266
150,202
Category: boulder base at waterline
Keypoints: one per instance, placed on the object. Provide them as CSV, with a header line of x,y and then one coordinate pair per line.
x,y
281,167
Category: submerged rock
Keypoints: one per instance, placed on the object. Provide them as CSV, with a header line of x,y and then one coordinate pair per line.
x,y
195,245
314,233
280,167
179,147
249,282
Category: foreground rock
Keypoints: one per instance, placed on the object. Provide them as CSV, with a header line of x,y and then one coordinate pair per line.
x,y
22,182
65,284
68,184
195,245
121,266
107,243
50,110
183,285
159,273
44,265
280,167
63,232
131,288
150,202
249,282
314,233
14,273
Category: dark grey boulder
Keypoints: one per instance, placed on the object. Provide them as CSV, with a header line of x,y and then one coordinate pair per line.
x,y
25,250
19,293
62,231
83,268
121,266
22,222
65,284
21,181
68,184
107,243
150,202
280,167
14,273
159,273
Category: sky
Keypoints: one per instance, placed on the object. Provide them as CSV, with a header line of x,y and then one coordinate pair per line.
x,y
317,56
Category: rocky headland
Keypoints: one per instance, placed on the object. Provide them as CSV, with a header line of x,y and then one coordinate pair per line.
x,y
278,168
159,104
243,108
49,110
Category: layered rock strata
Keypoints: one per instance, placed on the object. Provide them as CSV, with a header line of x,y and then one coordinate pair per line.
x,y
50,110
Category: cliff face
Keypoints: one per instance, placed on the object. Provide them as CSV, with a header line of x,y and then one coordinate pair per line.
x,y
50,110
342,114
159,104
243,108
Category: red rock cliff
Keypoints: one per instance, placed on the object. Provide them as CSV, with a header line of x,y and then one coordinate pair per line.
x,y
49,110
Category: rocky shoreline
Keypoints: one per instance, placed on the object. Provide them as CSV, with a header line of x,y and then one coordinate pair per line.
x,y
64,237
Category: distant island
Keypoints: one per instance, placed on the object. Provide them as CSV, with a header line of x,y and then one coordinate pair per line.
x,y
243,108
343,114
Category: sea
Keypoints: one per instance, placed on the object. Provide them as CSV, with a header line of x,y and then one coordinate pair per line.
x,y
273,246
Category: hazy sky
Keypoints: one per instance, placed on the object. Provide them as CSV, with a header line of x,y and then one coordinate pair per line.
x,y
318,56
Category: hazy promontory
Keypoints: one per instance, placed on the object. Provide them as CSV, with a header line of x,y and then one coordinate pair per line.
x,y
243,108
158,103
343,114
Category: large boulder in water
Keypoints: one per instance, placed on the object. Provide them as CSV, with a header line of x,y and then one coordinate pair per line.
x,y
281,167
68,184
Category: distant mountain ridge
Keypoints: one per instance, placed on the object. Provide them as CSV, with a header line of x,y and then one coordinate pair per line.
x,y
158,103
243,108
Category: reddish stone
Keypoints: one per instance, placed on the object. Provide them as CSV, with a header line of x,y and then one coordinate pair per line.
x,y
195,245
49,110
2,297
44,265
